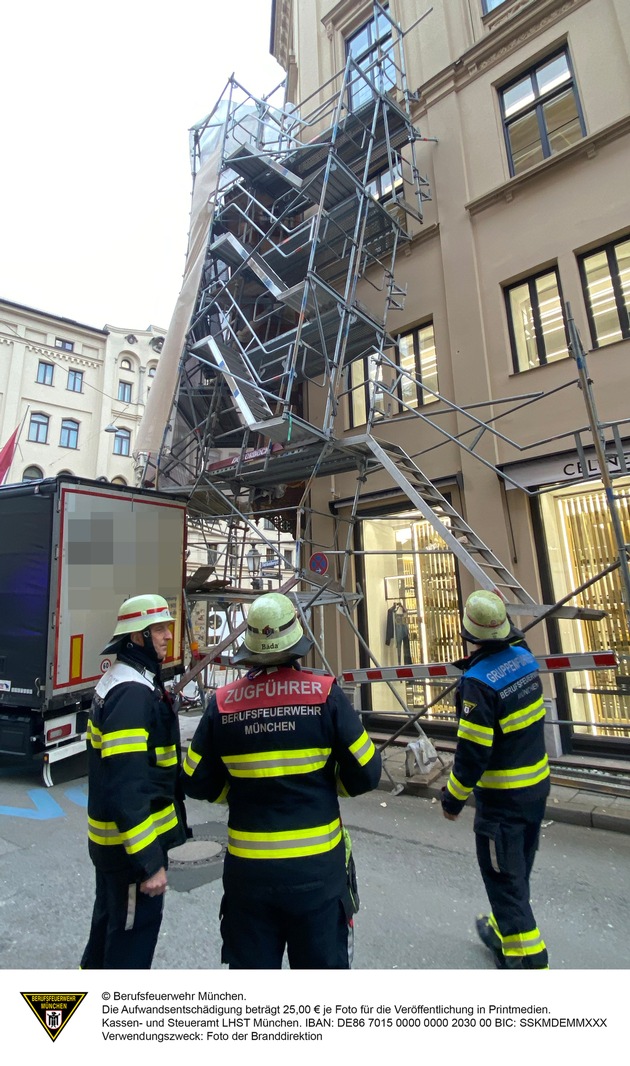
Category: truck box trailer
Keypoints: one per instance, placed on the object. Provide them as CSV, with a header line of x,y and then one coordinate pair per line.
x,y
71,550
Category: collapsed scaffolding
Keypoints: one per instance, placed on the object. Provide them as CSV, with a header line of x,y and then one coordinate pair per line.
x,y
299,204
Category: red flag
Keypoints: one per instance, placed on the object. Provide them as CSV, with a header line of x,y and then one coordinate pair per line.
x,y
7,452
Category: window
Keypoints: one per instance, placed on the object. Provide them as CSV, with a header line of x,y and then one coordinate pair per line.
x,y
75,381
125,364
538,332
122,442
38,428
417,358
288,558
45,373
365,390
367,47
390,180
66,346
151,371
541,113
69,434
606,280
124,391
32,473
489,5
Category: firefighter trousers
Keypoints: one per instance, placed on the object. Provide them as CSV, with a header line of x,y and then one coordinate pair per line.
x,y
256,933
125,925
506,848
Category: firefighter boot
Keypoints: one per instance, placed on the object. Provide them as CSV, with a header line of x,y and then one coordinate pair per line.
x,y
489,938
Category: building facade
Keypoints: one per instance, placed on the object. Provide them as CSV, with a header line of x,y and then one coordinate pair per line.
x,y
522,109
77,392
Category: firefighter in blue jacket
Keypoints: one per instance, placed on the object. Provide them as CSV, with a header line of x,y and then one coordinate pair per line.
x,y
501,756
134,813
279,745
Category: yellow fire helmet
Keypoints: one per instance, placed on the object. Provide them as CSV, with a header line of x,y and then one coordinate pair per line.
x,y
274,633
485,617
135,614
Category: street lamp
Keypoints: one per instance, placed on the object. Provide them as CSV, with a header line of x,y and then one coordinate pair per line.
x,y
252,558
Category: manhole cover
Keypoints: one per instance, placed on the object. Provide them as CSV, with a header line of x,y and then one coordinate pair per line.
x,y
195,851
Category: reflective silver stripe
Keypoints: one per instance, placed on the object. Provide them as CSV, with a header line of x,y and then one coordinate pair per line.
x,y
517,778
362,749
274,763
521,719
110,743
191,762
477,734
131,908
166,756
283,845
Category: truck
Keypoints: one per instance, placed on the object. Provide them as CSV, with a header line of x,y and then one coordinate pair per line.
x,y
71,551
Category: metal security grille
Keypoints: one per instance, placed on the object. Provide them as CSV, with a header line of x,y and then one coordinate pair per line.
x,y
589,537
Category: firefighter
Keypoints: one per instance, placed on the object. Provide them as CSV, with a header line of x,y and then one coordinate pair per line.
x,y
501,757
279,745
134,814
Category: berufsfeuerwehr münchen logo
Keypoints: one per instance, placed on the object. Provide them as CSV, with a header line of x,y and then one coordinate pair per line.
x,y
53,1009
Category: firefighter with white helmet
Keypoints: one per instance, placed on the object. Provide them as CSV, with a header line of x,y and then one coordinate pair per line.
x,y
134,811
280,745
501,757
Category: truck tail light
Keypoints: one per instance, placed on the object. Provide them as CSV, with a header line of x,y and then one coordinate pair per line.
x,y
58,732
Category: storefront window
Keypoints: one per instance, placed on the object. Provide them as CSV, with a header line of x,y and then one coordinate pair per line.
x,y
581,544
413,608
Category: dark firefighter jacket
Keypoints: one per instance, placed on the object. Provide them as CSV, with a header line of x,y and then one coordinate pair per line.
x,y
500,737
279,745
133,767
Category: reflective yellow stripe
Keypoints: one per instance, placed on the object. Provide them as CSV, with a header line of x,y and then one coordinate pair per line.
x,y
277,763
166,756
519,944
133,840
520,777
362,749
93,735
291,845
479,734
191,762
124,741
521,719
341,788
456,789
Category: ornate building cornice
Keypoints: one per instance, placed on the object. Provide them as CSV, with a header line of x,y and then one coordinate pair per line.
x,y
521,22
281,32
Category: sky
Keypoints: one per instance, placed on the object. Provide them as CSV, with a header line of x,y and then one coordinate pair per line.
x,y
96,102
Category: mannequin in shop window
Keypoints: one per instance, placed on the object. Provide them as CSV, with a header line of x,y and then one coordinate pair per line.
x,y
397,630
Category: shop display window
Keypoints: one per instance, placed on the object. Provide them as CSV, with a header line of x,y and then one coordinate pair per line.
x,y
413,607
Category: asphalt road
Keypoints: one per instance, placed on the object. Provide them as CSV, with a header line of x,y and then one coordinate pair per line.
x,y
418,880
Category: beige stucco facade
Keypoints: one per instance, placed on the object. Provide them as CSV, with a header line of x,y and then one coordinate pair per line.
x,y
77,380
487,230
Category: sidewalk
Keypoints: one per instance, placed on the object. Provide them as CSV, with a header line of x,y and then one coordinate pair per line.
x,y
596,810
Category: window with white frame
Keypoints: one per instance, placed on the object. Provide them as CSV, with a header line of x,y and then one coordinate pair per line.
x,y
75,381
417,360
538,332
38,428
69,437
122,442
606,281
370,48
541,112
45,373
